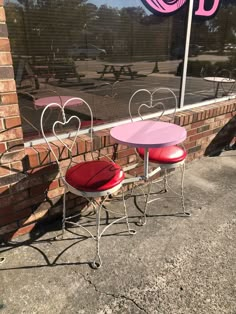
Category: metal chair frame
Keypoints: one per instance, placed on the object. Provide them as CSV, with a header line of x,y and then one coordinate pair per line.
x,y
91,197
37,108
227,75
158,104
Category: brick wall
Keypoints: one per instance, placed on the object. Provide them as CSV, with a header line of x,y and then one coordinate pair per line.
x,y
11,137
37,192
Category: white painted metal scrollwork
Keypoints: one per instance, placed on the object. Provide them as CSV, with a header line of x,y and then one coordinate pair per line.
x,y
154,102
95,199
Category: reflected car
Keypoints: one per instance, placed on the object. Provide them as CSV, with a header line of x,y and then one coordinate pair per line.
x,y
86,51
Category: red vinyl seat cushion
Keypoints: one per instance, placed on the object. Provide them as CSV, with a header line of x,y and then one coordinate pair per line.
x,y
92,176
164,155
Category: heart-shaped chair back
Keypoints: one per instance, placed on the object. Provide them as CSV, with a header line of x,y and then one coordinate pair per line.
x,y
152,104
227,76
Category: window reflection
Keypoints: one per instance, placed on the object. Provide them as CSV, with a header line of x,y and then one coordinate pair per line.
x,y
103,51
215,43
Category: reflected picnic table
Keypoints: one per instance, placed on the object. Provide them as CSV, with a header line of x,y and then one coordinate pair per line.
x,y
117,69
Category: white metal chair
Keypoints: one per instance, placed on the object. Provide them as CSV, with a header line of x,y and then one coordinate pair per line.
x,y
95,180
166,157
39,102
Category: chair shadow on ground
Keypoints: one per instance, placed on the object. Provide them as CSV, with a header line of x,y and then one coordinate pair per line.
x,y
49,226
160,196
38,237
223,139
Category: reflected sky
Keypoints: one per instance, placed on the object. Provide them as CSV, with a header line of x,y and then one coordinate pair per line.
x,y
118,3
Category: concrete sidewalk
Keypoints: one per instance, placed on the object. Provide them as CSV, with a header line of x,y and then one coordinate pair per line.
x,y
173,265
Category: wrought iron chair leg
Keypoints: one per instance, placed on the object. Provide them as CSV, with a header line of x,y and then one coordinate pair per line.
x,y
64,214
143,219
61,235
165,181
182,190
97,262
130,231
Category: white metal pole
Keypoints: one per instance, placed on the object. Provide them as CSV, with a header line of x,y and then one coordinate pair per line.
x,y
186,53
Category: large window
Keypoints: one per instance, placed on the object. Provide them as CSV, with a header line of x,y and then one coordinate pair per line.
x,y
212,53
104,50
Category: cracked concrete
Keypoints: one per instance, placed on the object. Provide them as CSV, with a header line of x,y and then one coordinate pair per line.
x,y
173,265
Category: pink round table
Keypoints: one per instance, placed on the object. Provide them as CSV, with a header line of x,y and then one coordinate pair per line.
x,y
148,134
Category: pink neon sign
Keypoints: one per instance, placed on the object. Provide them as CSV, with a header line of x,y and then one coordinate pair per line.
x,y
170,6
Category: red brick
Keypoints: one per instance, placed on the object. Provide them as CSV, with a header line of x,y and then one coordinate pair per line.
x,y
126,152
17,166
9,111
5,58
12,122
8,228
81,147
88,157
13,156
2,15
35,217
15,145
53,185
60,149
39,190
3,30
5,170
11,134
7,99
43,153
191,132
55,192
13,199
2,127
200,135
4,44
6,72
2,148
197,124
23,230
28,202
190,145
4,190
7,86
122,161
79,158
132,158
43,170
104,151
32,156
13,217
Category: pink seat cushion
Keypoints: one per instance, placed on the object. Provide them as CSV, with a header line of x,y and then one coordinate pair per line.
x,y
92,176
165,155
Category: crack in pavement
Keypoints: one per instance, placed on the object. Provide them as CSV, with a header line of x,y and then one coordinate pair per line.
x,y
122,296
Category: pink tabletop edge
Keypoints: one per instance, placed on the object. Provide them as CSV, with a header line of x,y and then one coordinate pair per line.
x,y
44,101
149,134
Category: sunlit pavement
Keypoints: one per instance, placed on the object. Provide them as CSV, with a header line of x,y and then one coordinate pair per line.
x,y
172,265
